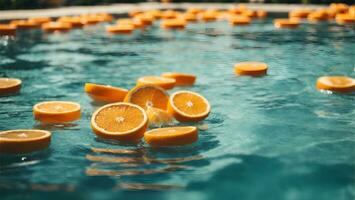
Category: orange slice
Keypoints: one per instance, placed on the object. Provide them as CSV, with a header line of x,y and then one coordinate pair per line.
x,y
128,21
181,79
344,19
165,83
56,111
250,68
299,13
120,29
209,16
173,24
147,96
286,23
40,20
169,14
189,17
194,10
76,22
145,18
261,13
135,12
120,121
336,83
24,141
9,86
105,93
239,20
249,13
317,16
188,106
56,27
172,136
158,117
7,29
24,24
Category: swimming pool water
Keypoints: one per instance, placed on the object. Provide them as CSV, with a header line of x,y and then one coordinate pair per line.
x,y
272,137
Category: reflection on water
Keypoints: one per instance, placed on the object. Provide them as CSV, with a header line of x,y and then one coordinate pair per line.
x,y
145,186
100,172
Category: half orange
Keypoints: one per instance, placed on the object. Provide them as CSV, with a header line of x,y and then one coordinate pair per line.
x,y
181,79
105,93
166,83
147,96
187,106
23,141
120,121
250,68
56,111
9,86
336,83
172,136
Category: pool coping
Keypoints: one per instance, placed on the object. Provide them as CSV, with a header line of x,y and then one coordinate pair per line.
x,y
122,9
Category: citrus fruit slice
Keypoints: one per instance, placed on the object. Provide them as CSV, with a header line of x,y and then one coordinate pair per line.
x,y
250,68
56,27
147,96
24,24
166,83
40,20
23,141
173,24
172,136
239,20
158,117
181,79
286,23
105,93
336,83
188,106
76,22
7,29
120,121
56,111
120,29
9,86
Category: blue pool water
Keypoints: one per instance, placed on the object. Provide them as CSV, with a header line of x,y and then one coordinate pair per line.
x,y
272,137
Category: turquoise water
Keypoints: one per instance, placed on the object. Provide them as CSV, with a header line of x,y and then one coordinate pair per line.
x,y
272,137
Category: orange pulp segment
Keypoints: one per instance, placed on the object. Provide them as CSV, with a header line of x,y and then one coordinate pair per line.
x,y
147,96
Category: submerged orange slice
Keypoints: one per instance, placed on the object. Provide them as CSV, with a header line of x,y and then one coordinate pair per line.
x,y
9,86
7,29
166,83
286,23
188,106
336,83
181,79
250,68
158,117
56,111
105,93
147,96
120,121
23,141
120,29
172,136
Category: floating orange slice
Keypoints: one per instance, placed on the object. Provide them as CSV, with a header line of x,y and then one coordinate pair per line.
x,y
120,29
286,23
169,14
24,24
239,20
299,13
344,19
135,22
56,111
336,83
56,27
261,13
209,16
7,29
194,10
181,79
40,20
145,18
188,106
158,117
250,68
120,121
172,136
76,22
9,86
317,16
249,13
173,24
148,96
165,83
105,93
135,12
189,17
24,141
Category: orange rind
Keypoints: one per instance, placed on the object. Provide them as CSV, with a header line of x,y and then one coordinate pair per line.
x,y
336,84
120,121
171,136
23,141
187,106
56,111
181,79
147,96
165,83
250,68
9,86
105,93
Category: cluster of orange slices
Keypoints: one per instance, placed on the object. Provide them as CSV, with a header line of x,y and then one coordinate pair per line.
x,y
341,13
